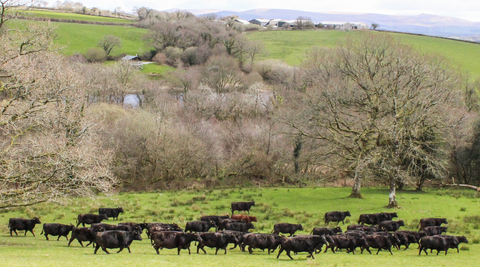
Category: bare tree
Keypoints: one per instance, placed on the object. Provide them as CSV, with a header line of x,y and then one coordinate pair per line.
x,y
379,107
375,26
254,50
108,43
13,8
47,146
221,73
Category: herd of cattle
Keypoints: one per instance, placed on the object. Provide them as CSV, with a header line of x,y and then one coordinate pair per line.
x,y
382,234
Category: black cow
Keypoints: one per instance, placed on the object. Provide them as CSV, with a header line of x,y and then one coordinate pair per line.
x,y
83,234
110,212
408,237
436,242
336,216
426,222
56,229
372,219
133,226
216,240
455,241
116,239
286,228
362,227
239,226
239,236
347,242
242,206
170,239
199,226
435,230
380,242
221,225
301,244
390,226
97,227
214,218
90,218
22,224
326,231
261,241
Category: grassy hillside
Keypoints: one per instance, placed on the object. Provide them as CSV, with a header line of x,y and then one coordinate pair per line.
x,y
273,205
291,46
80,17
77,38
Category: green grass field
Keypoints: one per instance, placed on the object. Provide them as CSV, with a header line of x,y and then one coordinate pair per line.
x,y
78,38
291,46
80,17
273,205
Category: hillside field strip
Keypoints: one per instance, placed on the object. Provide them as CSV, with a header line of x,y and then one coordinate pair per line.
x,y
273,205
291,46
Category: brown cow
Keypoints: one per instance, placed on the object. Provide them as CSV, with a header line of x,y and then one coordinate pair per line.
x,y
244,218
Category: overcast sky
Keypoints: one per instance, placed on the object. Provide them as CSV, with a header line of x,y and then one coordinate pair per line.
x,y
464,9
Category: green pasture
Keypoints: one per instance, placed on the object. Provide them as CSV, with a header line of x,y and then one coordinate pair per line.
x,y
291,46
157,69
79,17
273,205
78,38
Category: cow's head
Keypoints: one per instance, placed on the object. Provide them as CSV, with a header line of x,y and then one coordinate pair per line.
x,y
250,226
337,229
400,223
36,220
120,209
103,216
462,239
299,227
347,213
444,220
137,235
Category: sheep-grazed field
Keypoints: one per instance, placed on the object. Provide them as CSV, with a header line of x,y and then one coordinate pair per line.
x,y
273,205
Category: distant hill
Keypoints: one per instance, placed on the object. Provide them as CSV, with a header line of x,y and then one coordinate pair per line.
x,y
421,24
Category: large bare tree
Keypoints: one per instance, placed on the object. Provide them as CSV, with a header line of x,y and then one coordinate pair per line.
x,y
48,149
379,108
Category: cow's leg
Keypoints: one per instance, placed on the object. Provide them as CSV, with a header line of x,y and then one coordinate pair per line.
x,y
58,238
390,249
179,248
69,242
66,237
104,249
280,252
250,249
216,251
46,236
96,248
89,244
288,254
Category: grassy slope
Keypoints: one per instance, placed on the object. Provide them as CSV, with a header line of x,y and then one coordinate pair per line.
x,y
74,16
305,206
77,38
290,46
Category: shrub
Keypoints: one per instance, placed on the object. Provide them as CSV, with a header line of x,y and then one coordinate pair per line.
x,y
96,55
173,55
160,59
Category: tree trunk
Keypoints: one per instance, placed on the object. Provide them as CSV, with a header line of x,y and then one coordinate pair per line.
x,y
392,201
357,184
